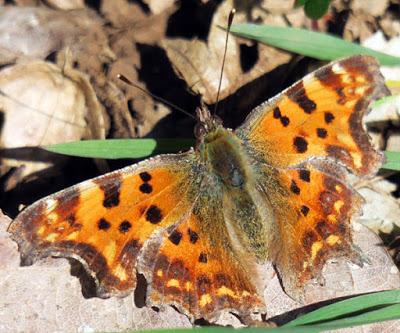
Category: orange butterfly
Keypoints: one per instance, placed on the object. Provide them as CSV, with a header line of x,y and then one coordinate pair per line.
x,y
195,224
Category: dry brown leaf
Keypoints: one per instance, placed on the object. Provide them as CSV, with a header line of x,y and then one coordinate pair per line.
x,y
158,6
44,105
199,63
66,4
277,7
359,26
35,32
372,7
381,209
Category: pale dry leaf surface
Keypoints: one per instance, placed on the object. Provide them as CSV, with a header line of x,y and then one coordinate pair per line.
x,y
66,4
35,32
381,209
43,105
158,6
372,7
393,142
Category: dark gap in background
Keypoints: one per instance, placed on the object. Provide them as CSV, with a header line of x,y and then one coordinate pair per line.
x,y
192,19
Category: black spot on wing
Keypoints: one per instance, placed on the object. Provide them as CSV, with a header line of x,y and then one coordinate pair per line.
x,y
294,188
145,176
193,236
300,144
277,113
203,258
103,224
175,237
146,188
298,95
304,210
322,133
304,175
329,117
111,187
285,121
124,226
154,214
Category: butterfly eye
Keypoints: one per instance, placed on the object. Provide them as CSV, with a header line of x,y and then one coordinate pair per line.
x,y
200,130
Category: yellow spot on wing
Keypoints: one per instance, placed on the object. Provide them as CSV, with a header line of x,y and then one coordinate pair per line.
x,y
225,291
332,240
53,216
173,283
332,218
356,159
360,78
245,293
72,235
51,237
188,286
350,104
338,204
160,273
315,249
109,251
338,188
345,138
361,90
41,230
120,273
205,299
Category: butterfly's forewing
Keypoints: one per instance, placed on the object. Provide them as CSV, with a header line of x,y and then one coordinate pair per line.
x,y
320,116
300,141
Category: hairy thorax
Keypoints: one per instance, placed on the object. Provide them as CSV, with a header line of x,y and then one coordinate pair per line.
x,y
222,154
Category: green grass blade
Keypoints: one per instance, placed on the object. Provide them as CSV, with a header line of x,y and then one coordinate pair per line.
x,y
120,148
299,3
348,307
387,99
315,9
309,43
392,160
308,329
387,313
139,148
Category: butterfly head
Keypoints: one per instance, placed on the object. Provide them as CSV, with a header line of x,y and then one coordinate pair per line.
x,y
206,123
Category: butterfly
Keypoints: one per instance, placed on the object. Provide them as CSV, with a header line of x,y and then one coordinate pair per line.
x,y
196,224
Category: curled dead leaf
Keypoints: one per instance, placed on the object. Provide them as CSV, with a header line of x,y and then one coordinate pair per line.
x,y
36,32
66,4
41,104
158,6
199,63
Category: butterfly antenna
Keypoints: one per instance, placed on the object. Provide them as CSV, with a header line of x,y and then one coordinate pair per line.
x,y
230,20
160,99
